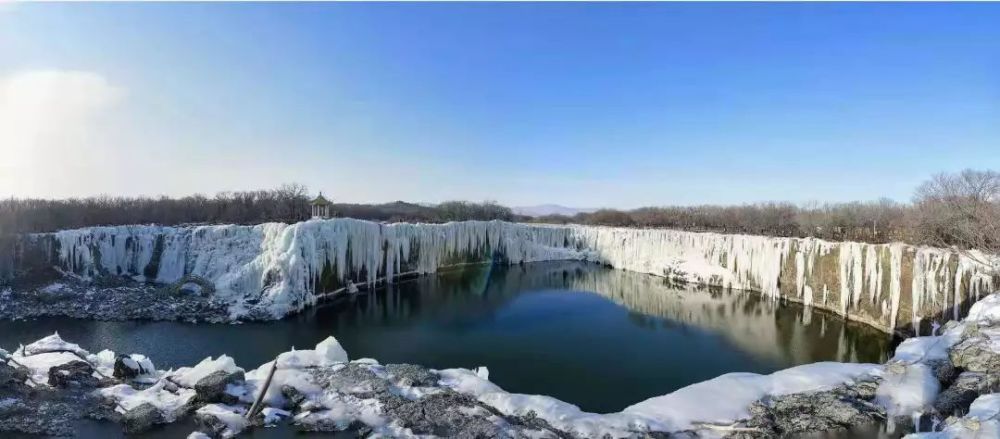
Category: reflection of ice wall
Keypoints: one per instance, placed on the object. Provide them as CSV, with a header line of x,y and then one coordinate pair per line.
x,y
763,328
281,266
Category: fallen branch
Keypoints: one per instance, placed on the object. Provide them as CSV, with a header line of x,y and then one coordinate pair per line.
x,y
258,404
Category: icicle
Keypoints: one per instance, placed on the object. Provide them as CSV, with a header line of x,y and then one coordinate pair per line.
x,y
283,263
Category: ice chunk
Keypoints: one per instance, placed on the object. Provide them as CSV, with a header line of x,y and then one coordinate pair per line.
x,y
273,415
52,343
907,389
189,376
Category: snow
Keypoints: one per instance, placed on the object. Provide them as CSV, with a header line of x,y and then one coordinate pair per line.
x,y
52,343
730,395
231,416
909,386
274,269
41,363
170,404
343,409
273,415
297,378
104,361
189,376
986,407
51,351
907,389
142,364
54,287
46,353
927,348
986,311
721,400
327,352
291,372
982,421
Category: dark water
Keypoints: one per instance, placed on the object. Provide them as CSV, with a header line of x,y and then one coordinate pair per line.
x,y
599,338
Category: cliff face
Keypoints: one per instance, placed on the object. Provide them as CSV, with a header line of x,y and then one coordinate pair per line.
x,y
890,286
282,268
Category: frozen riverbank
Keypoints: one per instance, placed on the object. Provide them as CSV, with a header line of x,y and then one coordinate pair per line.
x,y
131,301
934,378
270,270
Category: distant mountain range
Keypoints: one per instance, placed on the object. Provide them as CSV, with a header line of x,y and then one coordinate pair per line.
x,y
549,209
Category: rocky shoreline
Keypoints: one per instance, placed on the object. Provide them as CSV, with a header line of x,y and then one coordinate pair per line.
x,y
946,384
124,300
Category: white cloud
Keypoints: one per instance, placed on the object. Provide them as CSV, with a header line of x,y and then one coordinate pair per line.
x,y
50,121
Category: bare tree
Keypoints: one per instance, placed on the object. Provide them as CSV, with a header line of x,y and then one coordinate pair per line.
x,y
961,209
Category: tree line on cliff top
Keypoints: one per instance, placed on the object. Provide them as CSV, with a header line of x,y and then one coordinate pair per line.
x,y
961,209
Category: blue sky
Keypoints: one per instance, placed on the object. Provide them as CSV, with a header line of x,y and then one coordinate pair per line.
x,y
616,105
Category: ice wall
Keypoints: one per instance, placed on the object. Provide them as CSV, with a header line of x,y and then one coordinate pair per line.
x,y
890,286
273,269
278,268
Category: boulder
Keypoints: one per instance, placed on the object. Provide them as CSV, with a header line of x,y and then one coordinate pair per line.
x,y
221,421
956,399
11,377
976,352
944,371
412,375
141,418
294,397
802,413
75,373
127,368
448,414
212,388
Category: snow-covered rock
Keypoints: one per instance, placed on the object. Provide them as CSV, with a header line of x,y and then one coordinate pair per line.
x,y
320,389
982,421
189,376
169,403
133,366
222,420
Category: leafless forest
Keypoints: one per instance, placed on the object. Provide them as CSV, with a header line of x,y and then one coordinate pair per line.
x,y
961,209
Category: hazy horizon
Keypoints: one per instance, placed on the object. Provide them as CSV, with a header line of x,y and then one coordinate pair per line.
x,y
580,105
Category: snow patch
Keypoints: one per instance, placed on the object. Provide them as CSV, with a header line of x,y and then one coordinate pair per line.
x,y
189,376
230,416
170,404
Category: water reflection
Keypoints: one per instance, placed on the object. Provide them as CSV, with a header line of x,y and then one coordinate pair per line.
x,y
599,338
772,331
